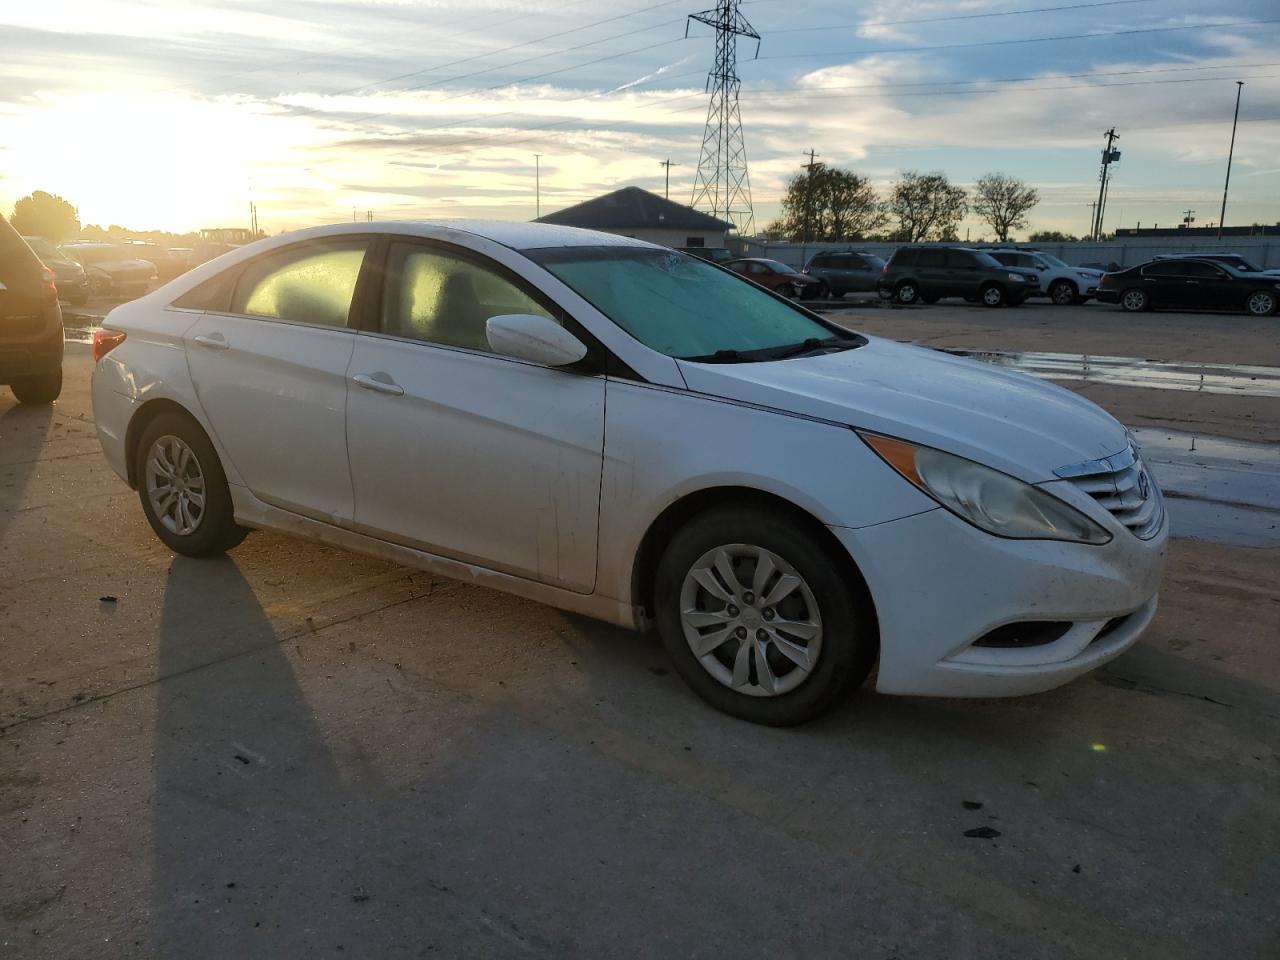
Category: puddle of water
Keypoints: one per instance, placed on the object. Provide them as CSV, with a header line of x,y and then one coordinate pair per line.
x,y
1227,491
1229,379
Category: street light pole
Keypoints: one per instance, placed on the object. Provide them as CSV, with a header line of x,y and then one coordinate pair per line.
x,y
1222,217
537,185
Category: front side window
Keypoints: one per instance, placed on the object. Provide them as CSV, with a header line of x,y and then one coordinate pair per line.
x,y
445,299
962,259
311,283
678,305
931,258
1202,271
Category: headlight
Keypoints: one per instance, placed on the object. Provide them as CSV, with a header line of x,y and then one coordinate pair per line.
x,y
988,499
1016,277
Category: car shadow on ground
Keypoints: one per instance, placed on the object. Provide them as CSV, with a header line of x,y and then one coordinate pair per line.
x,y
24,431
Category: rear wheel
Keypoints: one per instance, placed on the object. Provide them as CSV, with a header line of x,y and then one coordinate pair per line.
x,y
757,618
1135,300
993,296
40,389
1063,292
183,490
907,292
1261,303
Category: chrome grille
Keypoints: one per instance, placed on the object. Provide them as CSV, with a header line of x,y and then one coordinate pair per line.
x,y
1122,485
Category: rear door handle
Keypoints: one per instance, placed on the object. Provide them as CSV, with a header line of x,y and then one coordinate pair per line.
x,y
379,386
214,341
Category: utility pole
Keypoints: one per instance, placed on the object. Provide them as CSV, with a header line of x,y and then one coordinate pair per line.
x,y
668,163
1222,217
1189,217
810,167
1093,216
1109,156
721,186
537,185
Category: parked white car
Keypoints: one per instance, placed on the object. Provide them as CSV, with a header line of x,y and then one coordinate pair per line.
x,y
1059,281
627,432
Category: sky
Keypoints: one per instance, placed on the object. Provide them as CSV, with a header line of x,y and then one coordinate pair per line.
x,y
163,114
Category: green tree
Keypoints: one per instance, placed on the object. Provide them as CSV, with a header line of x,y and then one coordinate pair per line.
x,y
1003,201
927,206
45,215
1052,236
829,204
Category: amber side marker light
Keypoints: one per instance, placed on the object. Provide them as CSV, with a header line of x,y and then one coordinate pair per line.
x,y
899,455
104,341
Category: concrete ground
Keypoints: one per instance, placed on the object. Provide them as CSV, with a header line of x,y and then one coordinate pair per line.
x,y
297,752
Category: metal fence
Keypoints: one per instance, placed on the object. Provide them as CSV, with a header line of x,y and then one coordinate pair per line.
x,y
1262,252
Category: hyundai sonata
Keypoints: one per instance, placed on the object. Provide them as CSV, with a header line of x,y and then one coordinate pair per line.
x,y
631,433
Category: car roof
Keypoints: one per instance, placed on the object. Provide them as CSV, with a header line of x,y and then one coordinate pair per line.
x,y
516,235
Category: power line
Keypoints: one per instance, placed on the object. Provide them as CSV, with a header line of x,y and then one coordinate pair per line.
x,y
959,16
1006,43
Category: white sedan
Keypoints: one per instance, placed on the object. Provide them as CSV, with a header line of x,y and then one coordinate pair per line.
x,y
627,432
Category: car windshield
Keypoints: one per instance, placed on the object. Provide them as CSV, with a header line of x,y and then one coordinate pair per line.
x,y
1053,261
684,307
102,254
1240,263
42,247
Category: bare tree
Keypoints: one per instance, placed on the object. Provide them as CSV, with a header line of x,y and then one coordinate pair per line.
x,y
927,206
1003,201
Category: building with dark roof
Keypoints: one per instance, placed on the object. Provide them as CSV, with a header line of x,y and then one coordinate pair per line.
x,y
632,212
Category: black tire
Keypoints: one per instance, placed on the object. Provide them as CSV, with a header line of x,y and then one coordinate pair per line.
x,y
1260,303
907,292
1135,300
847,624
38,389
1063,292
993,295
216,530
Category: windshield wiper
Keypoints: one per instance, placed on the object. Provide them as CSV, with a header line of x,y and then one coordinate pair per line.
x,y
721,356
814,345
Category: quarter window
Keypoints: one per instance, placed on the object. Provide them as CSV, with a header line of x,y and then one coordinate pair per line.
x,y
444,299
312,283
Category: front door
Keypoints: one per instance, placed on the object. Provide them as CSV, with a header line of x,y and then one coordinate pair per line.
x,y
463,453
270,374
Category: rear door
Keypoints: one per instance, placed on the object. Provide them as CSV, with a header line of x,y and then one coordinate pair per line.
x,y
270,372
461,452
931,269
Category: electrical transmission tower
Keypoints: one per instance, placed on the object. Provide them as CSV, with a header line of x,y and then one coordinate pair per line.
x,y
721,187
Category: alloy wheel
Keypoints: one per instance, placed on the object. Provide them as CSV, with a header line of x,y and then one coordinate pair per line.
x,y
907,293
1261,304
175,485
751,620
992,296
1062,294
1135,300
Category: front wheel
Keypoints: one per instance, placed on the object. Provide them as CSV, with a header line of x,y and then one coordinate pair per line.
x,y
40,389
1135,300
183,490
993,296
758,619
1062,292
1261,303
907,292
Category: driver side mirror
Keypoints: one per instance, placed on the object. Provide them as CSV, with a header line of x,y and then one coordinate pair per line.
x,y
527,336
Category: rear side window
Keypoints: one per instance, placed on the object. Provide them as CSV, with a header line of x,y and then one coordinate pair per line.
x,y
311,283
904,258
962,259
213,294
1164,268
931,258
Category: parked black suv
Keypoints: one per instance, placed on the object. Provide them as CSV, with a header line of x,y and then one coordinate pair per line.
x,y
846,271
30,322
931,273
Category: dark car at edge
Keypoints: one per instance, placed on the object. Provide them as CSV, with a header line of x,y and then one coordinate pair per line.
x,y
846,271
1182,283
30,322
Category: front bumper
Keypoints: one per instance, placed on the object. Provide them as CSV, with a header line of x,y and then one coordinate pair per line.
x,y
939,585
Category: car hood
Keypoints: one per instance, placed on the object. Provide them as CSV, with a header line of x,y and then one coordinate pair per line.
x,y
1011,421
1088,271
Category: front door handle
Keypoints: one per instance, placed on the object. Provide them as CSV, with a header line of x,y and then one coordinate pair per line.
x,y
214,341
379,385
